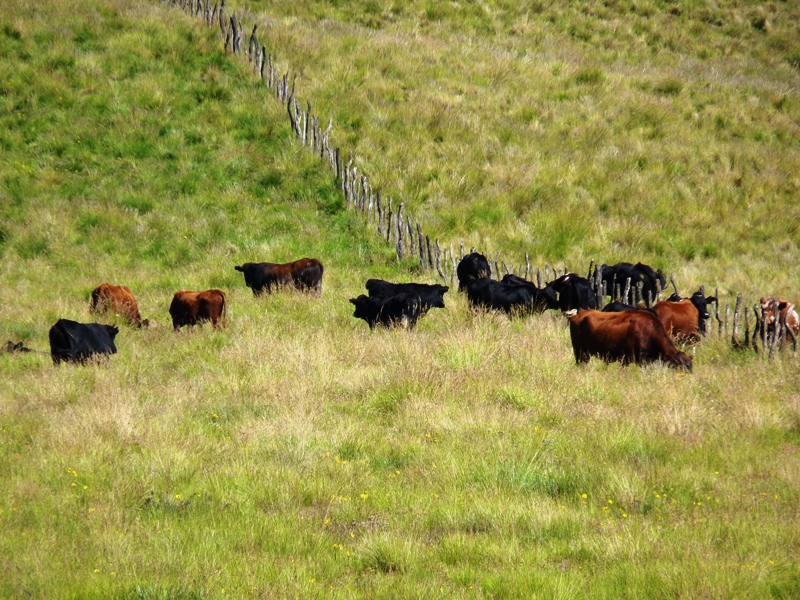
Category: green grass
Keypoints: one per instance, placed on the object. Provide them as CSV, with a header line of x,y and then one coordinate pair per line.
x,y
622,130
298,454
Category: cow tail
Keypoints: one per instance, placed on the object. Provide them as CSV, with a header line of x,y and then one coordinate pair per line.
x,y
224,311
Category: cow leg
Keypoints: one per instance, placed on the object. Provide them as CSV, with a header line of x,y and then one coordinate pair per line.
x,y
581,356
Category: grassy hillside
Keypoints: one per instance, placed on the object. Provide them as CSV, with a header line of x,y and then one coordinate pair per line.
x,y
295,453
660,131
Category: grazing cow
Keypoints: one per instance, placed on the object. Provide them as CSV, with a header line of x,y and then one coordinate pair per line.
x,y
402,309
304,274
472,266
543,298
618,274
786,312
574,292
496,295
118,299
80,342
430,295
192,308
628,336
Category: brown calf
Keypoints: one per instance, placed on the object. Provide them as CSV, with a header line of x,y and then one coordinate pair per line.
x,y
117,299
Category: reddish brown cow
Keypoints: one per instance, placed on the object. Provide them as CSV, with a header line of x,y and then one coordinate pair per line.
x,y
630,336
117,299
192,308
304,274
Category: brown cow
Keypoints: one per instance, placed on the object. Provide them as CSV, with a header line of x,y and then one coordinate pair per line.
x,y
118,299
786,314
192,308
630,336
685,318
680,319
786,311
303,274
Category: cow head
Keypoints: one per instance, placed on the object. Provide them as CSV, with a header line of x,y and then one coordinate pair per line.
x,y
701,303
364,309
441,291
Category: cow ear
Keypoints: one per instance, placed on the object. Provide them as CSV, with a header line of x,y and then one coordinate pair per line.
x,y
353,301
711,299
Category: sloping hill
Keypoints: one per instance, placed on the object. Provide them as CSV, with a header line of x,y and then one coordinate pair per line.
x,y
656,131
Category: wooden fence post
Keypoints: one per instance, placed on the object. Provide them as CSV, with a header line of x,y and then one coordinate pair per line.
x,y
439,261
598,287
746,329
736,313
399,247
421,240
776,330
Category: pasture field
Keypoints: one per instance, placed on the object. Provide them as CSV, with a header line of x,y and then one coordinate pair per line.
x,y
298,454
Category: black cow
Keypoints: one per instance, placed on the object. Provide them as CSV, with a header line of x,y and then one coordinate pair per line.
x,y
430,295
543,298
472,266
495,295
574,292
403,310
618,274
304,274
80,342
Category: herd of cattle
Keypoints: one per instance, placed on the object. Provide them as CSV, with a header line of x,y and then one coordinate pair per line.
x,y
627,331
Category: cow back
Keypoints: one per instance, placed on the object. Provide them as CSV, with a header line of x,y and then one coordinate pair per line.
x,y
430,295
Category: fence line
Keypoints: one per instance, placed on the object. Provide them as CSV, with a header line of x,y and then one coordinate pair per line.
x,y
407,235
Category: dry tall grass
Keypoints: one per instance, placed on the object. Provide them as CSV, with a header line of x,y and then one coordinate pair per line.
x,y
296,453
